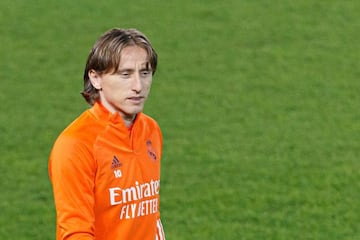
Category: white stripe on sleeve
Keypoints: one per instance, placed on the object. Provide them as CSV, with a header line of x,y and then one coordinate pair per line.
x,y
160,235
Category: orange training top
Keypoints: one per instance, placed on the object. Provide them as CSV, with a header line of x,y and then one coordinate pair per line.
x,y
106,178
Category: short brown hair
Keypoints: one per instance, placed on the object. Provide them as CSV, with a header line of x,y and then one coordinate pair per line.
x,y
105,55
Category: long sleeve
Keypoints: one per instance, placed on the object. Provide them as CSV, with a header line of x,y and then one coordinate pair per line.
x,y
72,173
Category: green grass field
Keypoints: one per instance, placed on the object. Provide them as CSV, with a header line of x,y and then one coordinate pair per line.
x,y
258,102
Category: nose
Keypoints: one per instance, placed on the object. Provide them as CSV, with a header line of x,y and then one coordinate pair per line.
x,y
136,83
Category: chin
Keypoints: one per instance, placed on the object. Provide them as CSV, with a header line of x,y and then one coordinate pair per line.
x,y
134,111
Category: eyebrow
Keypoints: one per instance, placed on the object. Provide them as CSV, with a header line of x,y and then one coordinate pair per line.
x,y
145,66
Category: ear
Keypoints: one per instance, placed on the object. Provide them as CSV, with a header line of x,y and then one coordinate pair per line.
x,y
95,79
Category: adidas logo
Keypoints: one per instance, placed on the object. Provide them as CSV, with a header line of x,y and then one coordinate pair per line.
x,y
115,163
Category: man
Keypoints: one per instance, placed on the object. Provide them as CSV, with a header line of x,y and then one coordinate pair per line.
x,y
105,166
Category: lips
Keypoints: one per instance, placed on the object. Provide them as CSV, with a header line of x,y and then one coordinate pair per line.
x,y
136,100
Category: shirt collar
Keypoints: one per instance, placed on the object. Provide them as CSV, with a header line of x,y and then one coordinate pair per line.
x,y
102,113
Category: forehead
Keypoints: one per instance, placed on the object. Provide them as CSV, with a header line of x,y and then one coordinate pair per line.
x,y
133,55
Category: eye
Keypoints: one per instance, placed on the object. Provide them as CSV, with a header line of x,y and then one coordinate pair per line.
x,y
145,73
124,74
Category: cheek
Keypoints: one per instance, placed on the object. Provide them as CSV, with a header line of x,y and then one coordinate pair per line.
x,y
147,88
119,86
148,84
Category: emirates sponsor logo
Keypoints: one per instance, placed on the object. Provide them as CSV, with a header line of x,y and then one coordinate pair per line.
x,y
137,201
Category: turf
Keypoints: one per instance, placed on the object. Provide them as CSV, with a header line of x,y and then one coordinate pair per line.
x,y
258,102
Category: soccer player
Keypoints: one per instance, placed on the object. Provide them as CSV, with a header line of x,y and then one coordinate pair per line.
x,y
105,166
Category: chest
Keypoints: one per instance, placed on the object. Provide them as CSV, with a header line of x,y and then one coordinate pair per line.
x,y
124,161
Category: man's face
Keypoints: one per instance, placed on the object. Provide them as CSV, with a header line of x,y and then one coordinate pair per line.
x,y
126,90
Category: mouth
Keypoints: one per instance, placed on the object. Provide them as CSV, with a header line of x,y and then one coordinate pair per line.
x,y
136,100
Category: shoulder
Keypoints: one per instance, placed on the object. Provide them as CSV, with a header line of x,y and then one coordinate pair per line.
x,y
73,148
148,120
83,128
148,123
79,134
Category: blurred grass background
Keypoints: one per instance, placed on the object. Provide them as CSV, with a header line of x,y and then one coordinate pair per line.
x,y
258,102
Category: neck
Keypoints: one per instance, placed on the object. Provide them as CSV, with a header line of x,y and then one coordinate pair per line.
x,y
129,120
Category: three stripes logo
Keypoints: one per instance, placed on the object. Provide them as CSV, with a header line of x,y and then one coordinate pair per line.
x,y
116,164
